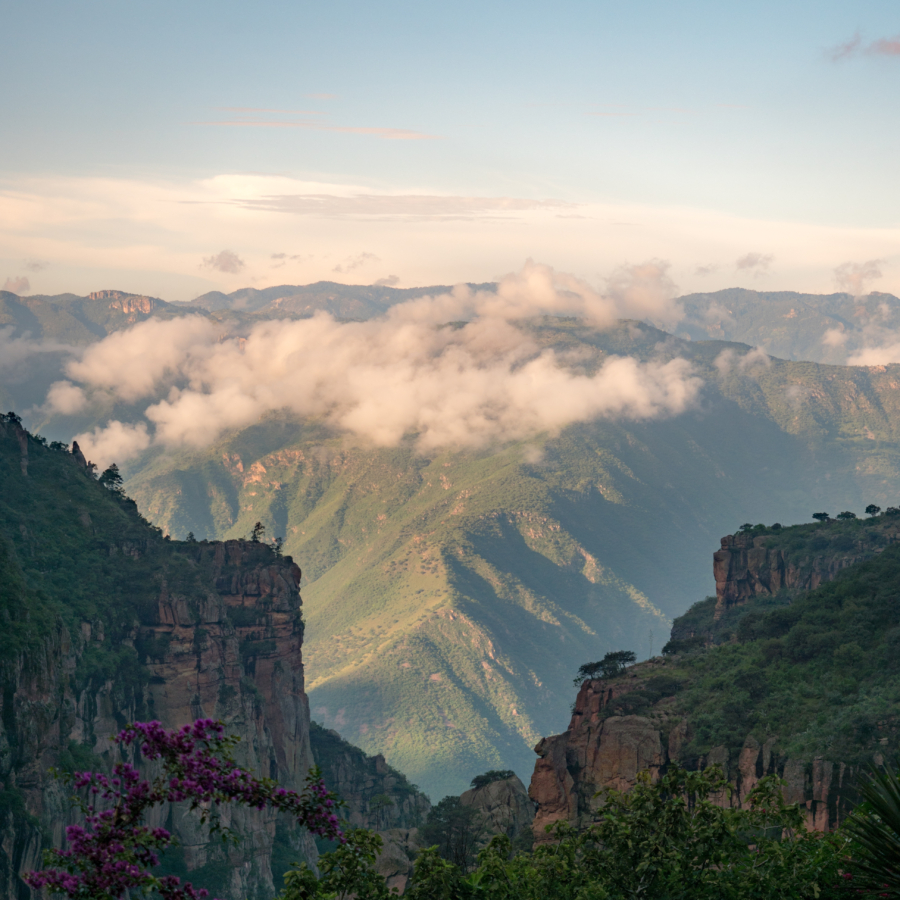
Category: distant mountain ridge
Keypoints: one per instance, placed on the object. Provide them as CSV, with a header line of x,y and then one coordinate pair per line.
x,y
824,328
344,301
79,321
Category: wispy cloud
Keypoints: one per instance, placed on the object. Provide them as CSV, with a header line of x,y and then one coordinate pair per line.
x,y
885,47
617,110
853,278
282,259
37,265
757,263
265,109
703,271
227,261
430,206
729,361
645,291
857,47
19,285
256,121
355,262
390,281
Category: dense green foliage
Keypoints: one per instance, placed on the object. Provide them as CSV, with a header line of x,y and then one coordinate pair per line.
x,y
456,830
665,841
821,671
875,828
612,665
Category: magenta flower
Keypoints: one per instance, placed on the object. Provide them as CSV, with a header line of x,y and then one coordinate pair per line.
x,y
114,852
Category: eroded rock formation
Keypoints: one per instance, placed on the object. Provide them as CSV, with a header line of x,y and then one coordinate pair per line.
x,y
598,752
603,748
232,652
746,567
504,805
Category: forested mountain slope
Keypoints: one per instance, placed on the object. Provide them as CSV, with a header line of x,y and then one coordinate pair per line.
x,y
451,596
777,679
105,621
827,328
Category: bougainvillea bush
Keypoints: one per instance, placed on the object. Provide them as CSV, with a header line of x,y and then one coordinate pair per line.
x,y
114,851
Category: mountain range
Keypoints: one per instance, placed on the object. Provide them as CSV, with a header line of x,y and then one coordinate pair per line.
x,y
452,595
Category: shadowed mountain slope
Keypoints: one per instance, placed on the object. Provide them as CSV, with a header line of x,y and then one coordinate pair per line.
x,y
826,328
453,596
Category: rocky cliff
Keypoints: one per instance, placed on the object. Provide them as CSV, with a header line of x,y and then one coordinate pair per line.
x,y
749,565
377,796
790,670
106,622
600,751
504,806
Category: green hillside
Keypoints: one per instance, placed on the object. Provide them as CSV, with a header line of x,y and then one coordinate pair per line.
x,y
819,671
791,325
74,553
450,596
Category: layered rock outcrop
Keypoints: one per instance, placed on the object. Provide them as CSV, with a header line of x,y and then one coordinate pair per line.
x,y
746,566
600,751
398,851
128,303
231,652
606,748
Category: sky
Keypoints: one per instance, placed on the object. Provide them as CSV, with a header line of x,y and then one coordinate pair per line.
x,y
175,148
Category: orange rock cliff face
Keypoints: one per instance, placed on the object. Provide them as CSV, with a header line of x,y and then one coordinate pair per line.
x,y
234,655
600,750
745,568
597,752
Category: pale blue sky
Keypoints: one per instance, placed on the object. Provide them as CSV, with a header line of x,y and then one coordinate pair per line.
x,y
736,110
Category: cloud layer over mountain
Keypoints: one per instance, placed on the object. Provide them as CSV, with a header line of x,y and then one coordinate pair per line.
x,y
478,380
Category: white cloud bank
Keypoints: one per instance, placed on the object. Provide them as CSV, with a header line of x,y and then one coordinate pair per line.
x,y
407,373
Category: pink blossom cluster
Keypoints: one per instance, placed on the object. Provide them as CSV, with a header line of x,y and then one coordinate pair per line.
x,y
113,852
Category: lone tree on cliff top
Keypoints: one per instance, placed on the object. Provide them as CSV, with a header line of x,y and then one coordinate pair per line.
x,y
611,665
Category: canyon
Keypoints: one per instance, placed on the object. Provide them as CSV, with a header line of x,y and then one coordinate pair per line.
x,y
171,631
